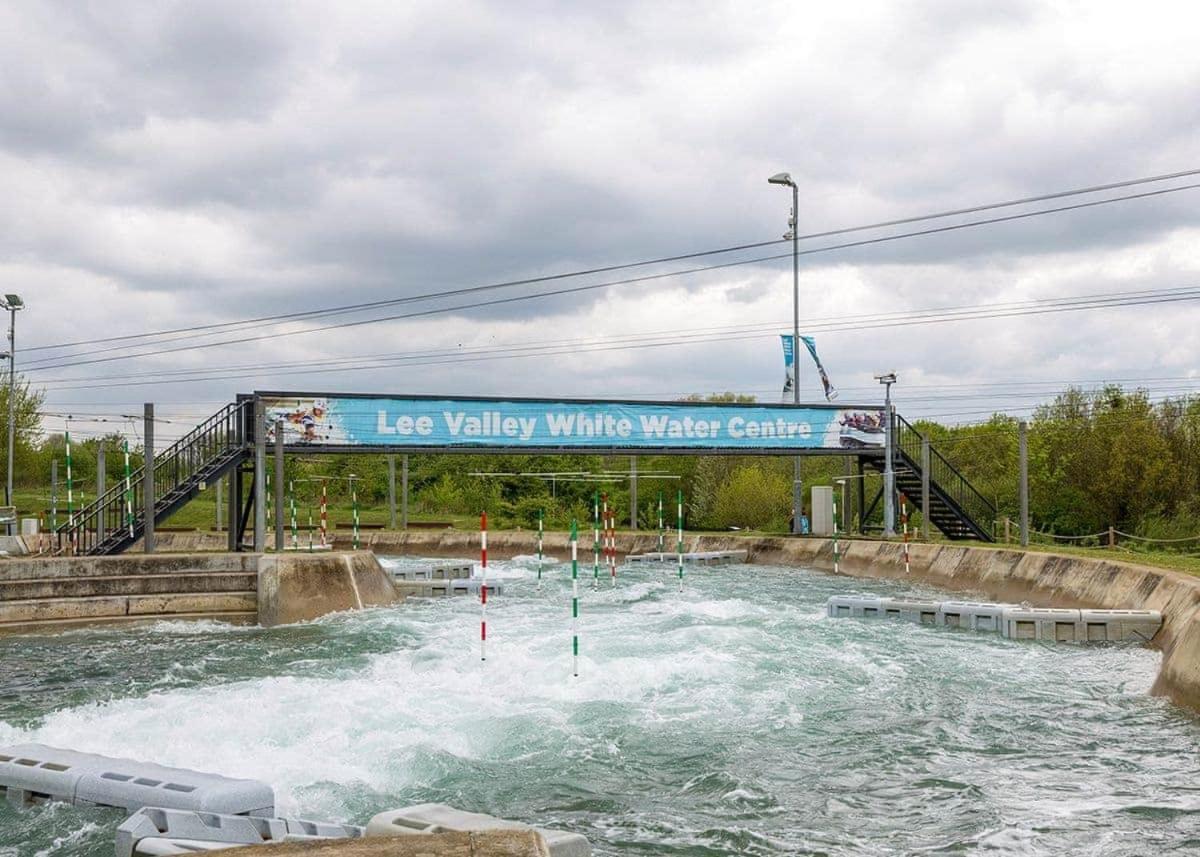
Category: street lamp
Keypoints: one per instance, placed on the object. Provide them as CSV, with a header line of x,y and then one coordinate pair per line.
x,y
12,303
889,476
786,180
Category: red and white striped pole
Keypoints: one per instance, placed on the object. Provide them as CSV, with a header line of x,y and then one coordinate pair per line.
x,y
324,513
483,586
904,521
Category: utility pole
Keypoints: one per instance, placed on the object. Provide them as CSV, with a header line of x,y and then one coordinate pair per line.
x,y
633,503
889,473
101,487
404,492
12,303
793,232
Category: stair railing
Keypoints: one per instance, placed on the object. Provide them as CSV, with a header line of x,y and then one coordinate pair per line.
x,y
106,520
945,475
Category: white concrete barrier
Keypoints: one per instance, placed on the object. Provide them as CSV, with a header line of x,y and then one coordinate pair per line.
x,y
861,606
153,831
916,610
1043,623
973,615
1120,625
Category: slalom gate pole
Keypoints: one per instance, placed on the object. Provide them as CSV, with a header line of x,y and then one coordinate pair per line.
x,y
128,491
70,489
292,500
679,541
354,511
612,544
661,529
541,533
574,598
904,521
604,525
595,539
835,531
324,512
483,586
310,526
54,502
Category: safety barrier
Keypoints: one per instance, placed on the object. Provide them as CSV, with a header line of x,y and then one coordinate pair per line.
x,y
35,773
695,558
442,588
1110,625
863,606
911,610
439,818
1042,623
973,615
1017,622
154,831
457,571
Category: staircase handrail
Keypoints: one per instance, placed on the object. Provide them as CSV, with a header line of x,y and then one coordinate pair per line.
x,y
224,430
949,478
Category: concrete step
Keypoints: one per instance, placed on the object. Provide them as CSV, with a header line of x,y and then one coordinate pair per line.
x,y
105,607
118,566
235,617
132,584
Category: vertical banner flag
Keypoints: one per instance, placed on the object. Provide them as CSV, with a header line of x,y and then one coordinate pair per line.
x,y
789,364
811,344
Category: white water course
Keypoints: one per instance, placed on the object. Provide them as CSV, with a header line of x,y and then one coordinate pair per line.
x,y
730,718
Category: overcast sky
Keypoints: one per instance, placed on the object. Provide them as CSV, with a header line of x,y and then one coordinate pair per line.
x,y
172,164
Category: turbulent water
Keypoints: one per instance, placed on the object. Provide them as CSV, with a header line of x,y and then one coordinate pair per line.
x,y
731,718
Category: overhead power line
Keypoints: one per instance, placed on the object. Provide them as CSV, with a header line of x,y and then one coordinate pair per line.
x,y
589,287
634,342
196,330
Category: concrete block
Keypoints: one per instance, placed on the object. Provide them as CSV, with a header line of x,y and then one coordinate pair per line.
x,y
972,615
156,831
1120,625
1043,623
31,773
298,587
920,611
861,606
429,818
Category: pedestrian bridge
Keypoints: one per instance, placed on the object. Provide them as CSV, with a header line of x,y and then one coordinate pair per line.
x,y
238,439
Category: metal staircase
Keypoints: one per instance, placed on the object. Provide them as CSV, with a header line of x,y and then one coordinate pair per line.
x,y
181,471
956,508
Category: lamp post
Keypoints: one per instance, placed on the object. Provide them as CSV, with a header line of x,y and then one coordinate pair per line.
x,y
889,475
786,180
12,303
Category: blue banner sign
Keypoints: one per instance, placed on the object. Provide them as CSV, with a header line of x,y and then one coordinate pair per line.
x,y
366,421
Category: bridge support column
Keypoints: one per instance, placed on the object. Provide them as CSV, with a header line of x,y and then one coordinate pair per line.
x,y
633,509
391,492
862,499
233,484
279,508
148,478
101,486
925,488
1023,456
404,492
260,479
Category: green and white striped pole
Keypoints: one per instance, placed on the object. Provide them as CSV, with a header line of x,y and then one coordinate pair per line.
x,y
128,491
70,488
354,510
835,532
541,533
574,598
679,541
310,525
661,528
596,539
292,498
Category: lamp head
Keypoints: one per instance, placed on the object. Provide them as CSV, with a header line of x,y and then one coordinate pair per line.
x,y
887,378
781,178
13,302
